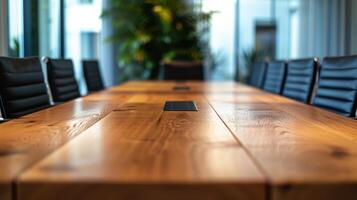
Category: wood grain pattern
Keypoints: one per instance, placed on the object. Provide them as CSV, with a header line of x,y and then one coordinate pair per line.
x,y
161,98
107,96
304,151
26,140
141,152
167,87
275,148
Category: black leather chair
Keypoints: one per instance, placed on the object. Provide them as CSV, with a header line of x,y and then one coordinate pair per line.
x,y
92,75
182,70
300,79
22,87
60,73
275,77
337,85
258,74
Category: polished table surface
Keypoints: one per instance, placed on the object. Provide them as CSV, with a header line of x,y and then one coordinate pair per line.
x,y
243,143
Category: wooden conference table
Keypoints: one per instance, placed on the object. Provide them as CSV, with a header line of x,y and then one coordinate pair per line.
x,y
242,143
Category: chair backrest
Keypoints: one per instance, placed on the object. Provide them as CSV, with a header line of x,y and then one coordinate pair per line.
x,y
258,74
183,70
92,75
22,87
275,77
61,78
337,85
300,79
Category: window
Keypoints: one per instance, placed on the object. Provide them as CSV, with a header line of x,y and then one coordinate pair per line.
x,y
90,43
222,37
16,31
82,34
49,25
34,28
86,1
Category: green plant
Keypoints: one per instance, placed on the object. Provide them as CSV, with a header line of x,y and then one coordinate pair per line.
x,y
150,31
250,57
14,49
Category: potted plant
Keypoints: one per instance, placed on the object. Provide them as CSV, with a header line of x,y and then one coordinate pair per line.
x,y
250,57
148,32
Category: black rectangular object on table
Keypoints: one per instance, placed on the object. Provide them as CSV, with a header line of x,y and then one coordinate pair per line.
x,y
181,88
180,106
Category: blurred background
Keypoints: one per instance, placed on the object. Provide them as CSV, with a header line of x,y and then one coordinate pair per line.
x,y
131,38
